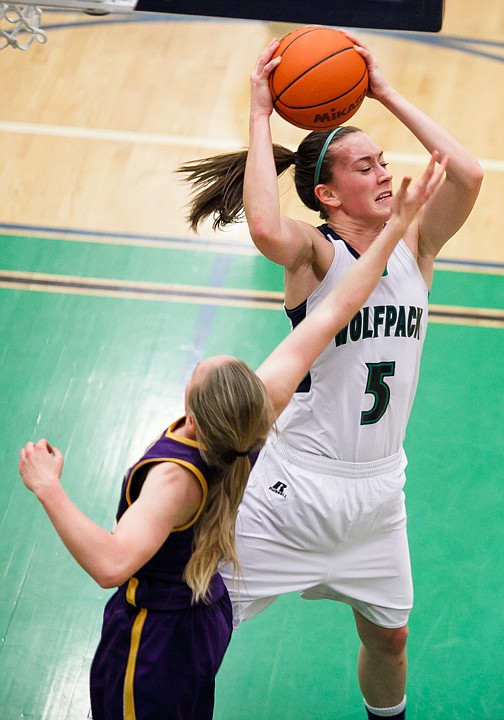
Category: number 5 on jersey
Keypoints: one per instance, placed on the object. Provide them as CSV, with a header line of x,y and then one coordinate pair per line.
x,y
377,387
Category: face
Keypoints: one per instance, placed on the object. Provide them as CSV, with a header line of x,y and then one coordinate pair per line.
x,y
361,184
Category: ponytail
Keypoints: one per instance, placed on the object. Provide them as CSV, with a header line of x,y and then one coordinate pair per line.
x,y
217,186
233,416
215,534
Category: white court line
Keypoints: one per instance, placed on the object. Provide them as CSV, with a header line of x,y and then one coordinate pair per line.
x,y
117,136
181,141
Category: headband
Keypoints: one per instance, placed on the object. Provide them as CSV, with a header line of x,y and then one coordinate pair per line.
x,y
321,157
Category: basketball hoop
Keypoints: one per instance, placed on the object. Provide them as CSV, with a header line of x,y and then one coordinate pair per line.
x,y
20,23
20,26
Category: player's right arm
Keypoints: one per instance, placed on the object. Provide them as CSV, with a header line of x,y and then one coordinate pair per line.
x,y
170,496
282,240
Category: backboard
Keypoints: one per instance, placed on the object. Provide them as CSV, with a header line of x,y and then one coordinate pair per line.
x,y
419,15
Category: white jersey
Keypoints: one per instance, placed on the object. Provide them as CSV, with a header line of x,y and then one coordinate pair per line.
x,y
355,403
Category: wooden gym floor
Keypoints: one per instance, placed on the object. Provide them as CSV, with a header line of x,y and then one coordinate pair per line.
x,y
107,301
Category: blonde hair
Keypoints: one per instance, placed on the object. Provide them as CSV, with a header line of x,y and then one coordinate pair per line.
x,y
233,415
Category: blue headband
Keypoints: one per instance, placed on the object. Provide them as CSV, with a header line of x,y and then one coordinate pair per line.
x,y
321,157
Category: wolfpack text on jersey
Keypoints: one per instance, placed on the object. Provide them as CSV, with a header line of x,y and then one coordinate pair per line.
x,y
367,377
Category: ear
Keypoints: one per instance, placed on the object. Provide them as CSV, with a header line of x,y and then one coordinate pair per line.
x,y
190,425
327,196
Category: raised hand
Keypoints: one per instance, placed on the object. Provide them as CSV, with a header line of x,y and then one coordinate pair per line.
x,y
40,465
261,101
378,84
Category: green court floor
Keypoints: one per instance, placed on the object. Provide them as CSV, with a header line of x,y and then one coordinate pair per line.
x,y
98,340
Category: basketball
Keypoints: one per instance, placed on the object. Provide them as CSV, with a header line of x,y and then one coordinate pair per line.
x,y
321,81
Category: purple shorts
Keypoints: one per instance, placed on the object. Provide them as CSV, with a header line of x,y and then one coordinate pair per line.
x,y
152,664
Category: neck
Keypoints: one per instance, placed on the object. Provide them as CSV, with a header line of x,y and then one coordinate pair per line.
x,y
358,236
185,429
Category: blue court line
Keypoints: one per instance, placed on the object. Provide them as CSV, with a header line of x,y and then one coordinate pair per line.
x,y
212,294
470,46
229,246
469,264
133,17
204,322
192,243
206,295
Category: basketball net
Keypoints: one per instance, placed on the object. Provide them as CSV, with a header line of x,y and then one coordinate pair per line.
x,y
20,26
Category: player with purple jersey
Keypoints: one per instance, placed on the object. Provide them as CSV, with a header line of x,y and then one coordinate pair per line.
x,y
147,630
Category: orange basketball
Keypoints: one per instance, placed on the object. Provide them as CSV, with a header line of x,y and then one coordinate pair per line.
x,y
321,81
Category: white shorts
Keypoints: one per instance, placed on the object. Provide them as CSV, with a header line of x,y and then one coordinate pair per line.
x,y
326,529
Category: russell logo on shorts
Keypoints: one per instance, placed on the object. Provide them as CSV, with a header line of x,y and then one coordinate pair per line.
x,y
279,488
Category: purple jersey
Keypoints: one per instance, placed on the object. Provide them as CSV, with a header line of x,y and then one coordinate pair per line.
x,y
158,585
159,652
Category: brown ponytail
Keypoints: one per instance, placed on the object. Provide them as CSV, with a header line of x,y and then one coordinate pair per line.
x,y
217,186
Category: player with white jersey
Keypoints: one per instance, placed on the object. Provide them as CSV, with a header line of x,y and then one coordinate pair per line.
x,y
323,513
338,446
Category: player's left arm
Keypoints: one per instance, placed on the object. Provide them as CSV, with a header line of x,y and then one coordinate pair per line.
x,y
448,209
451,205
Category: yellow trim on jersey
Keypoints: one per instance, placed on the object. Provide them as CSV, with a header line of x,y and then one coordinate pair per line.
x,y
131,590
204,488
129,677
169,434
192,468
134,469
186,441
